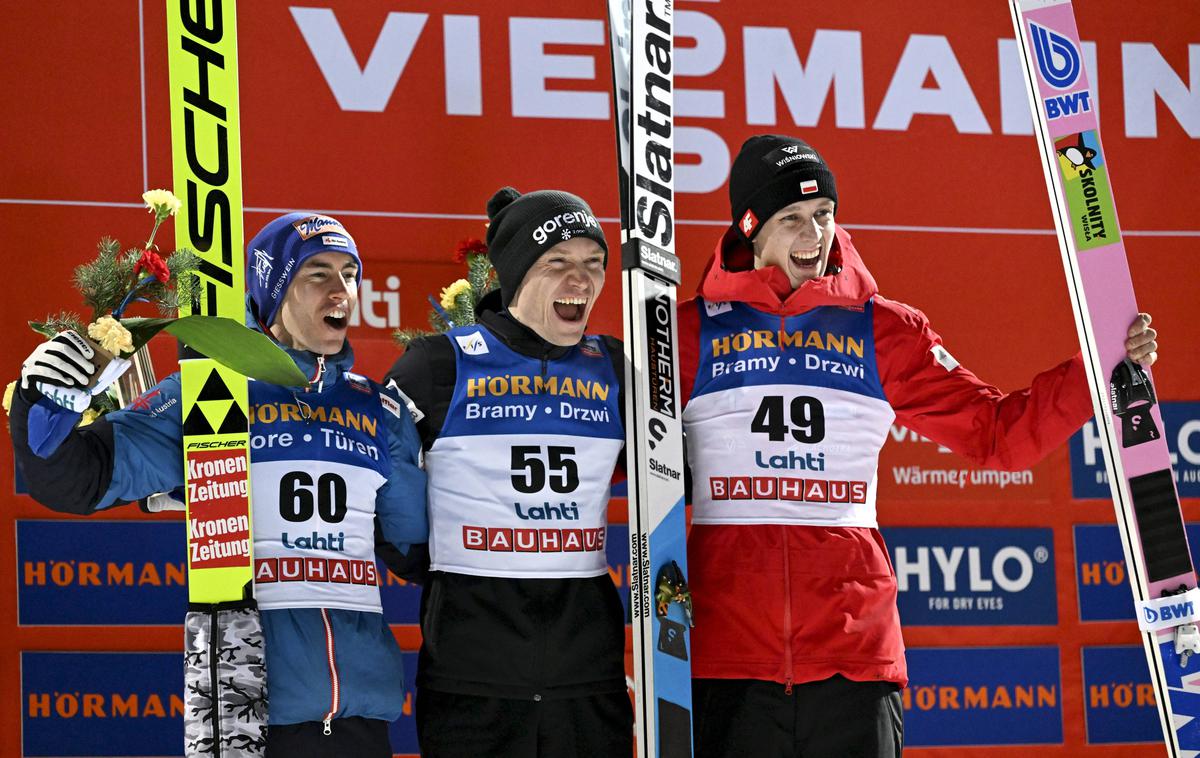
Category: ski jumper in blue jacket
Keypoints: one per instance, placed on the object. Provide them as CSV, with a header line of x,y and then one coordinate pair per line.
x,y
329,652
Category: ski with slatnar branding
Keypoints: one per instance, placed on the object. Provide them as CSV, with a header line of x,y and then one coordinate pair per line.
x,y
659,596
224,673
1151,523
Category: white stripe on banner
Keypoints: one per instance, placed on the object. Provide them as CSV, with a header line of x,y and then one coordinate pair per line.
x,y
678,222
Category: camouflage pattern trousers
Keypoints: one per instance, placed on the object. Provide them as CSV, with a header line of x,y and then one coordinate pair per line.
x,y
226,682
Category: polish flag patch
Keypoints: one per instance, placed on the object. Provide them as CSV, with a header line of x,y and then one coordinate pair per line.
x,y
749,222
808,187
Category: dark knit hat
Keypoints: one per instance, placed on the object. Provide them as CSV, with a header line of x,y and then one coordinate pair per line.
x,y
772,171
525,226
276,253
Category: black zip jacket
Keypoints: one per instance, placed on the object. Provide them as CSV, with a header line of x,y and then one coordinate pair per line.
x,y
496,636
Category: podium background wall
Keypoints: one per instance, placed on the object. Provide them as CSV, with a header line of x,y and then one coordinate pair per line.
x,y
401,118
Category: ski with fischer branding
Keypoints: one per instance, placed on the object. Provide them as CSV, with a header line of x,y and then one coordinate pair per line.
x,y
641,43
224,669
1149,518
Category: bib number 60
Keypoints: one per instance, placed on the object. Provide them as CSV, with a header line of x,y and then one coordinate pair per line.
x,y
298,495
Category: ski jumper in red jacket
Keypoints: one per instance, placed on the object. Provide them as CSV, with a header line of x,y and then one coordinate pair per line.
x,y
793,369
795,585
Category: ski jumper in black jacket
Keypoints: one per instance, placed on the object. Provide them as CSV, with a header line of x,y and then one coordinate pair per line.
x,y
523,631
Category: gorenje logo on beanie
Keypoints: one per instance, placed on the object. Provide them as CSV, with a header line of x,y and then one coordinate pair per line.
x,y
571,223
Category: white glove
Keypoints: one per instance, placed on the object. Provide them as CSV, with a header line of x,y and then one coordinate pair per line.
x,y
164,501
64,370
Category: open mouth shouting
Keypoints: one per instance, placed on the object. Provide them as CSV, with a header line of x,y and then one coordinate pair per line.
x,y
338,318
806,261
571,309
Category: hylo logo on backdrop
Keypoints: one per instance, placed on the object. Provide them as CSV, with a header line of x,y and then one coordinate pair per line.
x,y
949,561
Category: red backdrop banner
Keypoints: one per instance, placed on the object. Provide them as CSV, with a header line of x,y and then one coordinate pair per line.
x,y
402,117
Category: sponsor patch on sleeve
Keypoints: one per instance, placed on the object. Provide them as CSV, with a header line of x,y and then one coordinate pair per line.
x,y
943,357
394,407
357,382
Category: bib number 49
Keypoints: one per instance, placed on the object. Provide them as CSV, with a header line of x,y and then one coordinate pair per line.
x,y
805,420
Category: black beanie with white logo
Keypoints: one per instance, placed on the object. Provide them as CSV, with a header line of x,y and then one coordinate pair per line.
x,y
522,227
772,171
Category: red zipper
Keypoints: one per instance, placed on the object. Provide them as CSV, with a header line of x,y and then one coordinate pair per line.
x,y
333,673
787,612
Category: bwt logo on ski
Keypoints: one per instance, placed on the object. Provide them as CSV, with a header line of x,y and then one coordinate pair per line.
x,y
974,577
101,572
565,226
963,696
130,703
1061,66
1174,611
661,369
1119,702
218,527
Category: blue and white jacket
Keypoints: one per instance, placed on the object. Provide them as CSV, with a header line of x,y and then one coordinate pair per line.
x,y
329,652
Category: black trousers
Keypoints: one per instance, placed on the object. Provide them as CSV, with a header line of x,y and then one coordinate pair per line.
x,y
469,726
833,718
352,737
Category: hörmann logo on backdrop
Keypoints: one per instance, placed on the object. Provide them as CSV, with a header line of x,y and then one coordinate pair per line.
x,y
102,572
983,696
1118,699
974,576
129,703
1181,422
1100,574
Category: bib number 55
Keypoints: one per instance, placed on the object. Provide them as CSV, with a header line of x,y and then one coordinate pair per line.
x,y
534,468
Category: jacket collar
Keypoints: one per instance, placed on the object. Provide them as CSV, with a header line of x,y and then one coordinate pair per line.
x,y
518,337
730,276
335,365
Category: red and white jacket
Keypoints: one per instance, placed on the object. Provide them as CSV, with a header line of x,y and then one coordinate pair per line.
x,y
794,592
